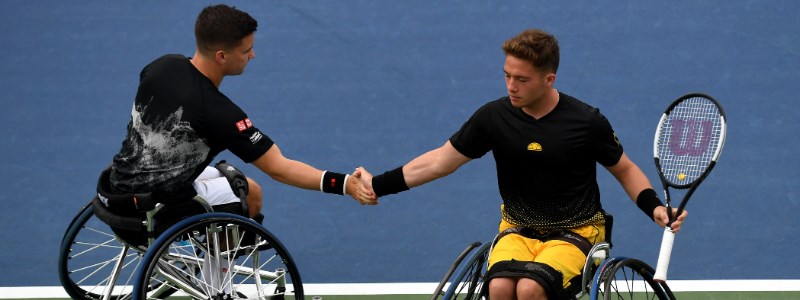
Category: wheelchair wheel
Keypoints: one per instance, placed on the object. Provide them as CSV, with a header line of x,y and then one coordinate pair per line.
x,y
88,257
628,278
218,256
439,289
469,282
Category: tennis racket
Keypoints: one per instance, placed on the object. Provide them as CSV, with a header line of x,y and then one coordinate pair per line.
x,y
688,142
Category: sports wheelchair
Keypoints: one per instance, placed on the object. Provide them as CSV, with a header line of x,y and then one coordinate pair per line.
x,y
603,276
176,248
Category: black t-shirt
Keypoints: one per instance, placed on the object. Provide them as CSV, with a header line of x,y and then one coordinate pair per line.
x,y
546,168
179,122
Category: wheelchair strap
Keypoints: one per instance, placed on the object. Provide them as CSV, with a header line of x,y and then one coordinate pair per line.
x,y
235,177
237,180
549,278
557,234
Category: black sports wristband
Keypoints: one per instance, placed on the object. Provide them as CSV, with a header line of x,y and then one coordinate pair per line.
x,y
391,182
647,201
333,183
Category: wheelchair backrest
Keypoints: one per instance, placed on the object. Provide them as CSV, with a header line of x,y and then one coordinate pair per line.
x,y
122,204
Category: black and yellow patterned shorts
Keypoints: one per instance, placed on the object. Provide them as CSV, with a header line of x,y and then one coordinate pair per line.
x,y
561,255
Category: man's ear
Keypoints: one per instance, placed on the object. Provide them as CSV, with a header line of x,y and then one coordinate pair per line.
x,y
219,56
550,79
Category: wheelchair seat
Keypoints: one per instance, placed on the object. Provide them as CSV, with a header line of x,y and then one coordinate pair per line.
x,y
139,218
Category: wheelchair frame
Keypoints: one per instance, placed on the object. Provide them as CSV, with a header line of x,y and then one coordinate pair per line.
x,y
149,271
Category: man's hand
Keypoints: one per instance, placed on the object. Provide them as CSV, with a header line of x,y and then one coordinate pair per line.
x,y
358,190
366,178
661,218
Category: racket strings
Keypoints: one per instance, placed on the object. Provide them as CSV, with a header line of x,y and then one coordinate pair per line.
x,y
689,139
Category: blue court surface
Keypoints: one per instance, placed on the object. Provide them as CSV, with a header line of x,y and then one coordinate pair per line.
x,y
341,84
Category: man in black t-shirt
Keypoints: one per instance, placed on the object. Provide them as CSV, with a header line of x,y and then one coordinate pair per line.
x,y
546,145
180,121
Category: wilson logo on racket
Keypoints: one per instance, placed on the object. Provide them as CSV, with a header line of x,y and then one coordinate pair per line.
x,y
534,147
692,137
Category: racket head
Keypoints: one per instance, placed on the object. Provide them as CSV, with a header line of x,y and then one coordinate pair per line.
x,y
689,139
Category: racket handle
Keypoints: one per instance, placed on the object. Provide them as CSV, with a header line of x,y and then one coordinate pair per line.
x,y
664,255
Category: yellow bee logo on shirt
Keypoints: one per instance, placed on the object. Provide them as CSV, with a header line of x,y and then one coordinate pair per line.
x,y
534,147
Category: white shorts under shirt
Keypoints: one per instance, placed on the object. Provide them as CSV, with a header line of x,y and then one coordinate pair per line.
x,y
214,187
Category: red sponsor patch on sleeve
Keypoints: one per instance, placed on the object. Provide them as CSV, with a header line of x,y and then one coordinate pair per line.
x,y
243,124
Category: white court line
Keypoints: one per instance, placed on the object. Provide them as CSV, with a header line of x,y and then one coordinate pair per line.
x,y
426,288
731,285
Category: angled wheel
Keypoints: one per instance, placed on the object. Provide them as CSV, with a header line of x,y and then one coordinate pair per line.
x,y
439,289
628,278
93,263
468,284
218,256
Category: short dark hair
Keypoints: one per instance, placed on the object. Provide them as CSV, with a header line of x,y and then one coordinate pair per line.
x,y
536,46
222,27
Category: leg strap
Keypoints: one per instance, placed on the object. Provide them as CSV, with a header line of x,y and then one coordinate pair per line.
x,y
237,180
550,279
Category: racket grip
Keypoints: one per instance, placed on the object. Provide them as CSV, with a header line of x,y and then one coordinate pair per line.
x,y
664,255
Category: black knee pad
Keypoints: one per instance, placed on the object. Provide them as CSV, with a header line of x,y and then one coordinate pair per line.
x,y
550,279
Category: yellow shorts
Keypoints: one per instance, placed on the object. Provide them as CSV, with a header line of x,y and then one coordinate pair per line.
x,y
562,256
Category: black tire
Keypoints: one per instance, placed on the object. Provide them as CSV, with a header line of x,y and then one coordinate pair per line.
x,y
469,282
88,253
630,278
181,258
